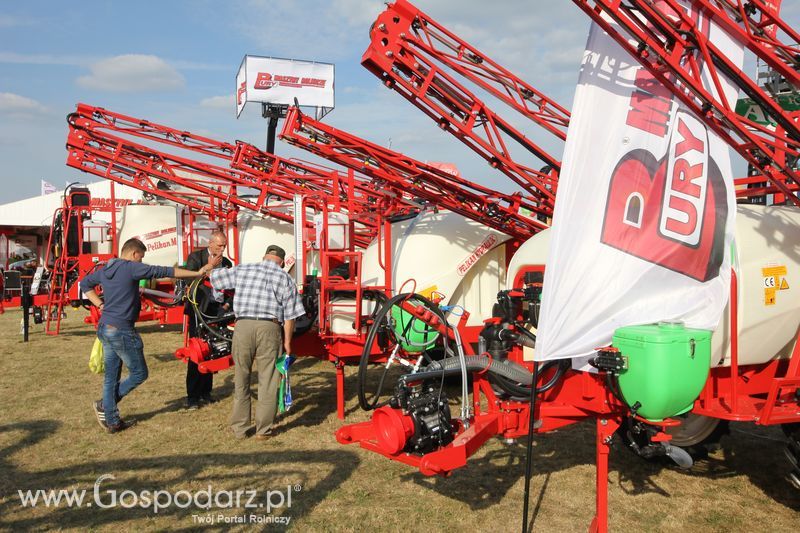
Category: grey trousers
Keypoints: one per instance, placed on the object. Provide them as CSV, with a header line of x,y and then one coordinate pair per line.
x,y
260,342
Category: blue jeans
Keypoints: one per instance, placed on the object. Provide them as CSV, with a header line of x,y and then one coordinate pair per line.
x,y
120,346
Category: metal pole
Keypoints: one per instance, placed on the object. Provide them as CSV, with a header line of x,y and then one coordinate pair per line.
x,y
26,311
273,113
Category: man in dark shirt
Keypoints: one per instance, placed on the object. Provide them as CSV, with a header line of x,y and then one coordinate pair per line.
x,y
120,307
198,384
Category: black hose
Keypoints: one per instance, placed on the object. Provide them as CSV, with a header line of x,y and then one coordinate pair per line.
x,y
521,392
378,321
199,314
163,303
378,318
522,329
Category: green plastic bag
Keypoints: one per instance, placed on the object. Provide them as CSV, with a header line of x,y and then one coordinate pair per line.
x,y
282,364
96,363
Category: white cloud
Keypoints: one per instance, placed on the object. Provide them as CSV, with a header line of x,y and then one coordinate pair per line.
x,y
218,102
88,60
11,103
132,73
11,21
46,59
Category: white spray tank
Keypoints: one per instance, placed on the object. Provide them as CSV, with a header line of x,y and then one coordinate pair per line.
x,y
157,227
767,266
443,252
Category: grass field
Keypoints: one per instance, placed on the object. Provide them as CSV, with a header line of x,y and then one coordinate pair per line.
x,y
49,439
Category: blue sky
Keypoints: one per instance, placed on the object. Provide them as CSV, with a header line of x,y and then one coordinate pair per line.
x,y
174,62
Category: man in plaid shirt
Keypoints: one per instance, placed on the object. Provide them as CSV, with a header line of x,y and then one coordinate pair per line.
x,y
266,297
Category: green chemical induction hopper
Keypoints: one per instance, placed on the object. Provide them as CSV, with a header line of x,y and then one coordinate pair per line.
x,y
667,367
414,335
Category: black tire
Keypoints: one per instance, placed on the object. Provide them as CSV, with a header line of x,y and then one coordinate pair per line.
x,y
697,431
697,435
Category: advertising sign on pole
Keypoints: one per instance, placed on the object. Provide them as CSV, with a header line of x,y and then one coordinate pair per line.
x,y
279,82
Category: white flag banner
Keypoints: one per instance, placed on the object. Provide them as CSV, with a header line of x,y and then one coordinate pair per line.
x,y
645,208
48,188
241,89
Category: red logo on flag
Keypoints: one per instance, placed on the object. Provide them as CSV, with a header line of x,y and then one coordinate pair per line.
x,y
670,212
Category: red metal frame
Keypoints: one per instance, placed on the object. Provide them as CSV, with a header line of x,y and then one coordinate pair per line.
x,y
443,190
671,50
208,188
667,42
414,55
68,267
245,167
409,50
763,393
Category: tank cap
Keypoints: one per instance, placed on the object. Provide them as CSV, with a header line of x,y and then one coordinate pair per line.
x,y
671,324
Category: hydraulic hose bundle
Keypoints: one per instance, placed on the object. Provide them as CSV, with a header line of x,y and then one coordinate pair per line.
x,y
512,378
161,298
207,322
380,325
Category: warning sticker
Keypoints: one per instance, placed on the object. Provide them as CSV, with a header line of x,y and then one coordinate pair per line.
x,y
774,281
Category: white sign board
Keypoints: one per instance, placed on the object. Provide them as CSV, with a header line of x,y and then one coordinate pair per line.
x,y
279,81
37,280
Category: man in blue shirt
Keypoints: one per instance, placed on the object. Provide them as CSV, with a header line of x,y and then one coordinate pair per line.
x,y
120,307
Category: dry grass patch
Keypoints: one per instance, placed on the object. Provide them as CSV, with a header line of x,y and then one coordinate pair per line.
x,y
50,440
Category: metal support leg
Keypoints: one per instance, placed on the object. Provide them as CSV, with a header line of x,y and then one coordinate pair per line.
x,y
605,431
340,390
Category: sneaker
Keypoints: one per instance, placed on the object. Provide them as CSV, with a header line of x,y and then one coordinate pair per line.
x,y
192,405
120,426
99,413
208,399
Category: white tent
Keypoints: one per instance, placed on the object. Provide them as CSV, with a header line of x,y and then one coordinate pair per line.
x,y
38,211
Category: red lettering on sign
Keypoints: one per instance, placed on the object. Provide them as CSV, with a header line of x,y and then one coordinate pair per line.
x,y
689,142
684,227
682,176
482,248
650,105
159,245
242,90
264,81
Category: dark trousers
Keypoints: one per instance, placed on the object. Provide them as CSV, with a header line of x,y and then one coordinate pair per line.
x,y
198,385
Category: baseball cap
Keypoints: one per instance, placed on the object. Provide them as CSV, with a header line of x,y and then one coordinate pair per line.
x,y
274,249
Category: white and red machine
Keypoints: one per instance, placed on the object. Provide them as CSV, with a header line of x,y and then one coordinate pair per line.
x,y
753,372
341,213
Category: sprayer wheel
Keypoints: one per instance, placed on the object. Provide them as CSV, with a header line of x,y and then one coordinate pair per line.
x,y
792,452
698,431
697,435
